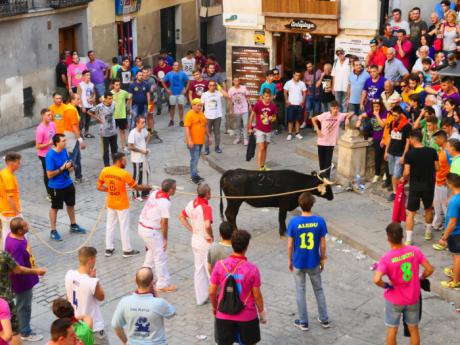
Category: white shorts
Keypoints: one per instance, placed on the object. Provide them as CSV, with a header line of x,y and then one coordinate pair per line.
x,y
262,137
177,100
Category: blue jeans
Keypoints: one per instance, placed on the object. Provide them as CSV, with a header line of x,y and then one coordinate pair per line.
x,y
137,109
325,106
195,152
315,278
100,90
75,157
341,97
24,310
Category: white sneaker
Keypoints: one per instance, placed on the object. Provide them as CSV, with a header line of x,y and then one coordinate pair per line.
x,y
289,137
231,132
139,198
303,125
298,136
32,337
236,141
376,179
384,178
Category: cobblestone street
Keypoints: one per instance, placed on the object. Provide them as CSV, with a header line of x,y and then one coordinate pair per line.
x,y
355,304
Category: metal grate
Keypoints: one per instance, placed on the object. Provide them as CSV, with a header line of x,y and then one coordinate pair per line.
x,y
13,7
67,3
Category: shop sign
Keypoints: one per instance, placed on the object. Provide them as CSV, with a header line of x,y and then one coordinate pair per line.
x,y
123,7
259,38
250,65
358,46
244,20
300,24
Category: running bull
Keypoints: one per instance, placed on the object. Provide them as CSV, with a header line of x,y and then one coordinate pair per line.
x,y
240,182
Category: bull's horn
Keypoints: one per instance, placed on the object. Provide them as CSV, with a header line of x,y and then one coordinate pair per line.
x,y
326,181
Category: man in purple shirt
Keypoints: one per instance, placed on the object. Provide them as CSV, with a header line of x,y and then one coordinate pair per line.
x,y
449,91
373,88
99,72
17,246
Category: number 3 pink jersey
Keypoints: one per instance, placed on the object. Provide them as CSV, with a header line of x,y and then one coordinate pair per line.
x,y
402,268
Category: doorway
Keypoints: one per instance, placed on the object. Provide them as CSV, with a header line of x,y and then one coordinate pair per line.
x,y
168,28
68,38
293,49
125,40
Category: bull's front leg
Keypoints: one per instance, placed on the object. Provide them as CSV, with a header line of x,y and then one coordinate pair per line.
x,y
282,221
231,212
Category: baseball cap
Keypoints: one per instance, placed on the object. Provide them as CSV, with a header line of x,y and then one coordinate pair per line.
x,y
196,101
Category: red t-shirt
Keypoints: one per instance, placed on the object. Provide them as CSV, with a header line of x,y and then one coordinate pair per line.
x,y
198,88
265,115
160,72
378,58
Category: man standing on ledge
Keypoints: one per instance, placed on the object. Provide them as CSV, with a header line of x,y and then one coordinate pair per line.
x,y
196,131
113,181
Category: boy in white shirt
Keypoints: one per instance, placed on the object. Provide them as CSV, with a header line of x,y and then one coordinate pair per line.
x,y
188,64
87,94
137,144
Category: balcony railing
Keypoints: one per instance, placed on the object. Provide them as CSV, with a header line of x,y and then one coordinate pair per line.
x,y
67,3
13,7
322,9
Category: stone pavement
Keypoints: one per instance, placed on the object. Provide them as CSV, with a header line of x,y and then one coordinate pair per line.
x,y
355,305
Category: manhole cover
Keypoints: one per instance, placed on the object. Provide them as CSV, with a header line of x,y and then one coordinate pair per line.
x,y
178,170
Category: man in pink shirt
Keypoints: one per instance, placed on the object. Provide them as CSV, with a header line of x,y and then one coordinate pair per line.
x,y
75,73
43,142
199,213
247,277
326,127
402,293
403,48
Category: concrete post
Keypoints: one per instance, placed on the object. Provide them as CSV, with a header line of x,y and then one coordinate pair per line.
x,y
352,155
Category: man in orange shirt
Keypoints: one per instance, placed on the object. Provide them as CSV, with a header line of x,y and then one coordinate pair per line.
x,y
113,180
196,131
440,189
9,193
72,133
57,109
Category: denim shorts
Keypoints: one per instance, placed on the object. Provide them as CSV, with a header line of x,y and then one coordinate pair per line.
x,y
294,113
393,312
394,167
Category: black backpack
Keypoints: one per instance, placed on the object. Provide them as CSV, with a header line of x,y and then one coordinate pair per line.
x,y
231,303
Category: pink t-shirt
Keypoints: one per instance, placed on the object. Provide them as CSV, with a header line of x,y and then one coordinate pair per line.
x,y
329,128
43,135
402,268
4,315
265,114
75,72
247,276
239,100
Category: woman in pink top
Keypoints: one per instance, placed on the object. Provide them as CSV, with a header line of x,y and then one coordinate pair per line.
x,y
43,142
402,293
247,277
6,333
327,128
75,72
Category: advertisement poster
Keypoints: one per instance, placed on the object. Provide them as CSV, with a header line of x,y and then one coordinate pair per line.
x,y
123,7
250,65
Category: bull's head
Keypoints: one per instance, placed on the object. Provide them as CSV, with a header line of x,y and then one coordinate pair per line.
x,y
323,185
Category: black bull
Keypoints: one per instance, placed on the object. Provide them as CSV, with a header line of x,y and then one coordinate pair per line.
x,y
240,182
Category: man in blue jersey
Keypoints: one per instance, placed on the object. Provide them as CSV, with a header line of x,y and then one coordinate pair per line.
x,y
306,255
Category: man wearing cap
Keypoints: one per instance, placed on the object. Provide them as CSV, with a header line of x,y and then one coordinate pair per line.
x,y
340,74
375,56
196,131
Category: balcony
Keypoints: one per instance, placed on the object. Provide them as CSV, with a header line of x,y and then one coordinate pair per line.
x,y
319,9
13,7
67,3
210,8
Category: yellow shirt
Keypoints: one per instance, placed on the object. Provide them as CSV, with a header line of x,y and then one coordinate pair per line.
x,y
58,116
8,189
116,180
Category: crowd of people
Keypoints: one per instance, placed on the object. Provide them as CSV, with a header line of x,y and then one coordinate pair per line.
x,y
395,96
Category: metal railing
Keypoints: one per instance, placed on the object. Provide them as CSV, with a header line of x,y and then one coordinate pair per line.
x,y
67,3
13,7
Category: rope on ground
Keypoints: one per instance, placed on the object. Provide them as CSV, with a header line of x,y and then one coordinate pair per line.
x,y
90,235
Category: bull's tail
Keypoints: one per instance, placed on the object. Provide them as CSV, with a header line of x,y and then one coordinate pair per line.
x,y
221,203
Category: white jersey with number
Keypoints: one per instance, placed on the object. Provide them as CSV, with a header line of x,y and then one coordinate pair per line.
x,y
188,65
80,289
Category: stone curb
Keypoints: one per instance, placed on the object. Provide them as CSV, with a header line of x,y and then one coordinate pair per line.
x,y
18,147
368,249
